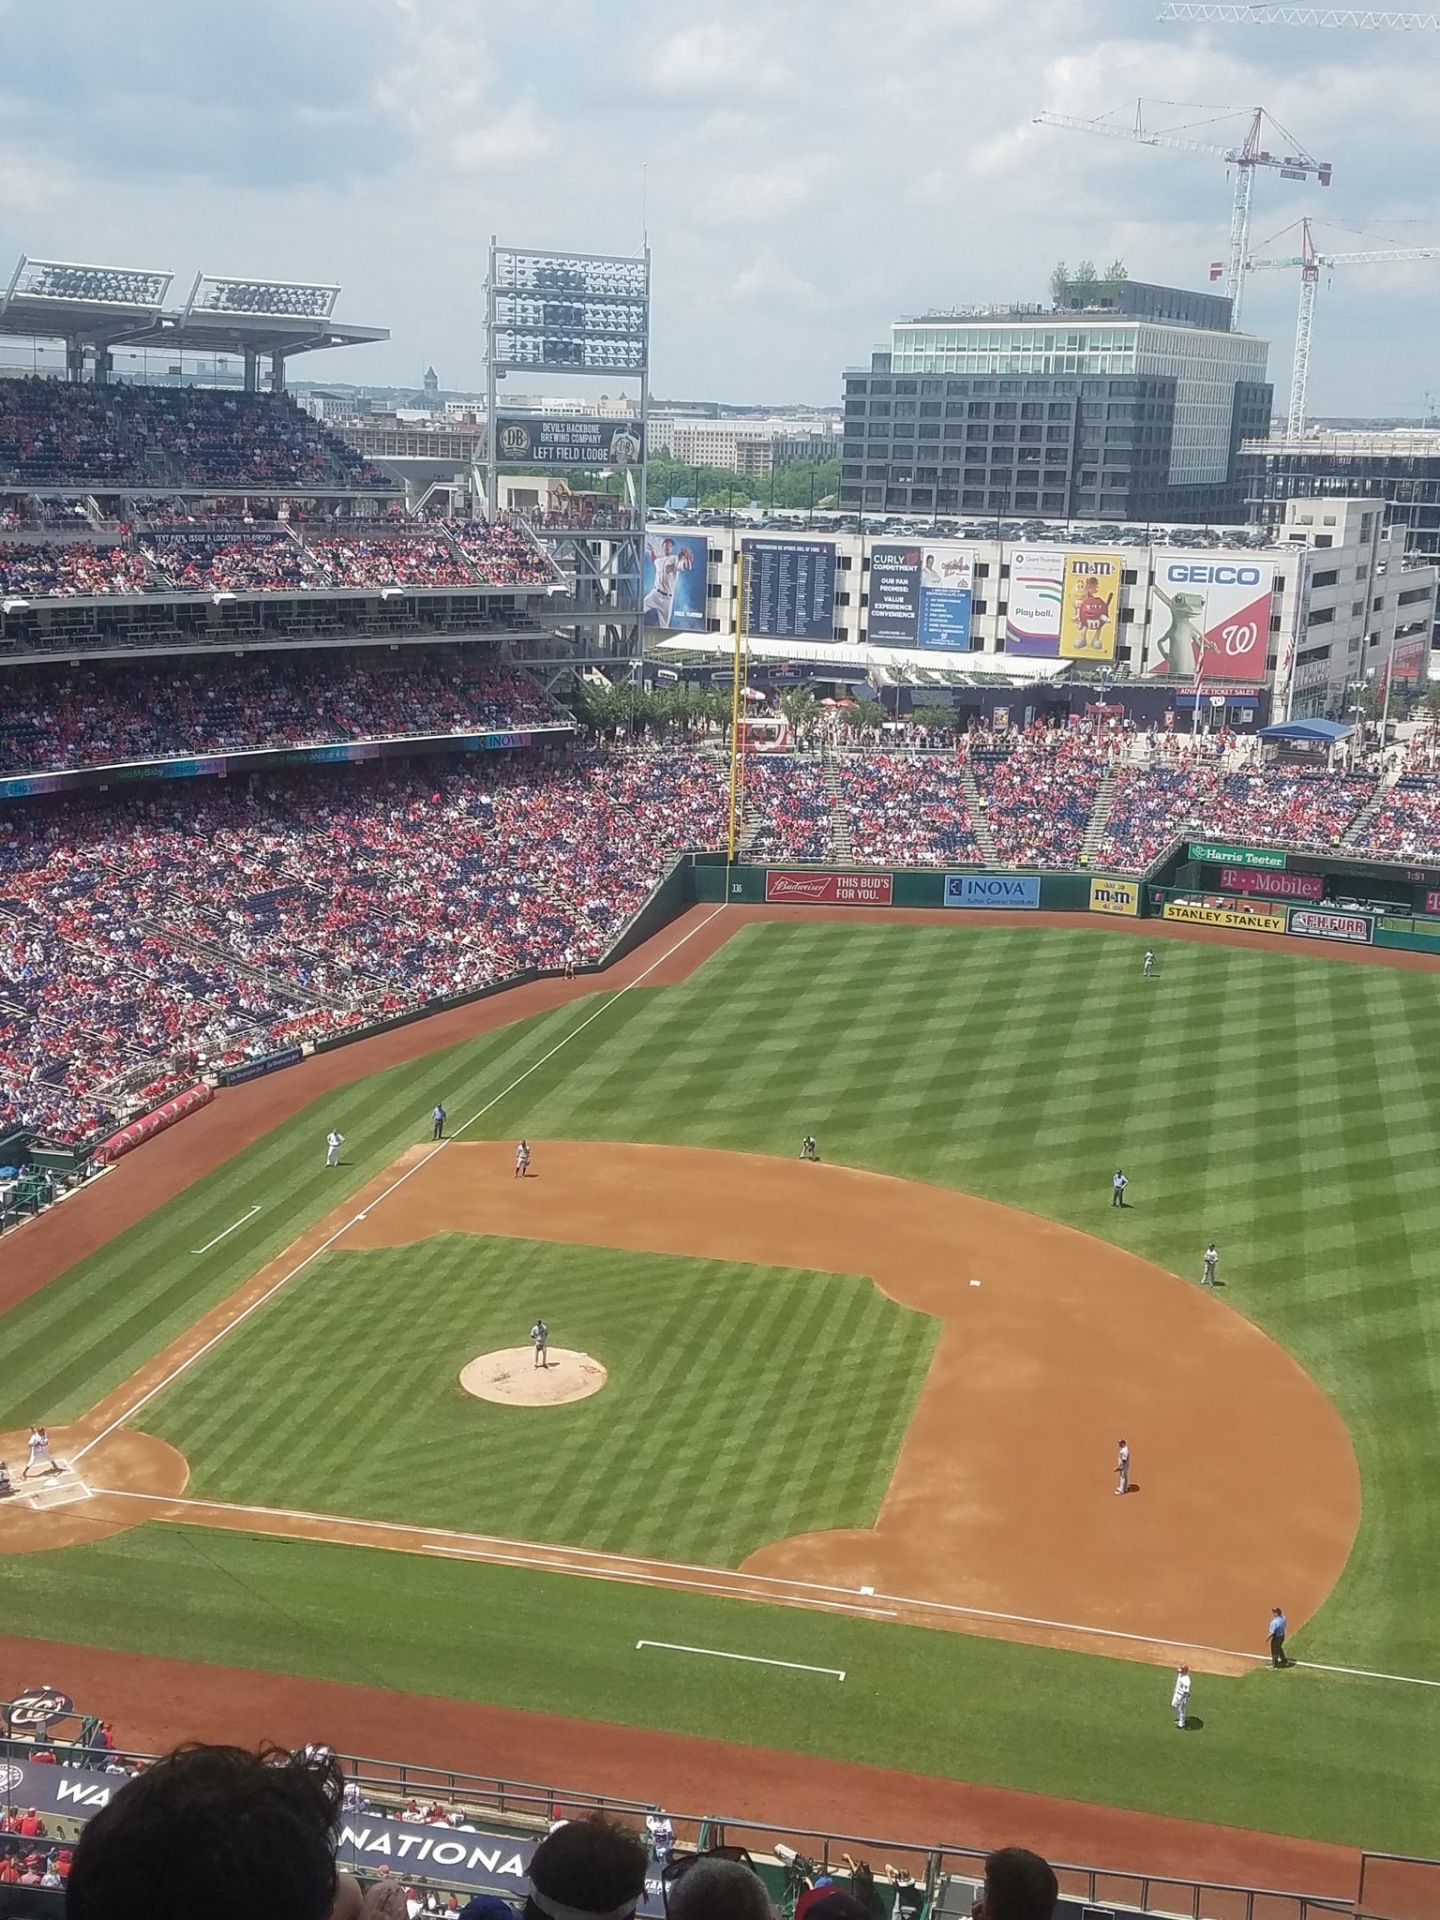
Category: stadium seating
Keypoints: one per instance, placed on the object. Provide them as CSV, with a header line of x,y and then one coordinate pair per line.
x,y
143,940
787,809
53,434
43,571
907,812
1038,791
1406,823
1151,808
79,717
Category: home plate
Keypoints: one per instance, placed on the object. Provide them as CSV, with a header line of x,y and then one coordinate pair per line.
x,y
511,1378
55,1490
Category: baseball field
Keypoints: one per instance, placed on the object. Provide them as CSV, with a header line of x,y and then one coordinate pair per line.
x,y
859,1417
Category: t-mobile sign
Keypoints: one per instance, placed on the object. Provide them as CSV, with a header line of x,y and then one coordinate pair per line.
x,y
1284,886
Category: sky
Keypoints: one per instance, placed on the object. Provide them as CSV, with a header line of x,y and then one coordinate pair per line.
x,y
806,170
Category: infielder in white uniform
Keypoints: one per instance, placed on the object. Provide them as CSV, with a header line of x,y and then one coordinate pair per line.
x,y
333,1143
522,1160
1122,1468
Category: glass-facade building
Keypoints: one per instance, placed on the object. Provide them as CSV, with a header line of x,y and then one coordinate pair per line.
x,y
1106,416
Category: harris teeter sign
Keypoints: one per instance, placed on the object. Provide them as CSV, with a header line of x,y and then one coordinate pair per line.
x,y
1222,856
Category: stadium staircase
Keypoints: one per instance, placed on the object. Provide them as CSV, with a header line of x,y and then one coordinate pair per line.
x,y
842,847
1099,820
1371,807
979,825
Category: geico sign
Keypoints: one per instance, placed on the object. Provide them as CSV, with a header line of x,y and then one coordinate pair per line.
x,y
1205,576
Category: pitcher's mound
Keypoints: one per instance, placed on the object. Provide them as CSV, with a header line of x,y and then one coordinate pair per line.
x,y
512,1378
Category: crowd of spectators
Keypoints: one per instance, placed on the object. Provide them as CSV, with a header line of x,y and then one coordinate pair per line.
x,y
1151,808
1038,790
907,811
72,717
147,939
1285,807
1406,823
267,560
276,1822
53,433
46,570
391,559
503,554
787,809
186,555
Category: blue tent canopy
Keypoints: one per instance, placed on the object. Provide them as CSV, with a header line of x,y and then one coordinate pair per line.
x,y
1315,733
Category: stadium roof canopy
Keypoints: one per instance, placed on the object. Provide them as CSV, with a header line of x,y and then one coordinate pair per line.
x,y
96,308
1314,733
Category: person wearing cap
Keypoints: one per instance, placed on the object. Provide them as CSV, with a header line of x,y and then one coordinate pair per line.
x,y
590,1869
1278,1628
1180,1698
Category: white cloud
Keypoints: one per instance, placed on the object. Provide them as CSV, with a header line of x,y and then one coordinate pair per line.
x,y
812,168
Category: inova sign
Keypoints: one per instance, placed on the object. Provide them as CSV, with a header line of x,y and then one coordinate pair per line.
x,y
991,890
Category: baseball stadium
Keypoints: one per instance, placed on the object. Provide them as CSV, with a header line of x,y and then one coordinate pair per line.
x,y
972,1261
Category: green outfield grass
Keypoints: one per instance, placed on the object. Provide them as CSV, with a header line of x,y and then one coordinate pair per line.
x,y
1287,1105
743,1403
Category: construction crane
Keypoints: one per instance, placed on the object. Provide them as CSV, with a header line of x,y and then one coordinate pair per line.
x,y
1306,17
1310,260
1250,154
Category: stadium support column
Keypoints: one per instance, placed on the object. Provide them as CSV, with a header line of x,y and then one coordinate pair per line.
x,y
277,373
252,370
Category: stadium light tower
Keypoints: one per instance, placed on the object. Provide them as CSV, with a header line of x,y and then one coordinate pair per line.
x,y
1310,260
1251,154
584,315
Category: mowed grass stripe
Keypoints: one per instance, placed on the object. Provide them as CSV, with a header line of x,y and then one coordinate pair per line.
x,y
744,1403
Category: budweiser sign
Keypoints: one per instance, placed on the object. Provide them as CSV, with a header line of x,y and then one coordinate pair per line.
x,y
830,889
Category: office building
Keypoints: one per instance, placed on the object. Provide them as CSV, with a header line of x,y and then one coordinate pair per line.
x,y
1399,467
1130,410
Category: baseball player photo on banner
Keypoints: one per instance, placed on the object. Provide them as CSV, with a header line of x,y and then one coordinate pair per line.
x,y
1209,618
1037,592
946,587
1090,609
674,583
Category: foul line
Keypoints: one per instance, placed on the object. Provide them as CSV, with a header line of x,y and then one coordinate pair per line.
x,y
395,1185
228,1231
766,1588
715,1653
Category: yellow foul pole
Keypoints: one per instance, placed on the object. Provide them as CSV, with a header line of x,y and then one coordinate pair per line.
x,y
737,682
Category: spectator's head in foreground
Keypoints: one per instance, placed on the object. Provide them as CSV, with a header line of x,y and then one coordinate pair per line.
x,y
1019,1885
213,1833
719,1890
587,1870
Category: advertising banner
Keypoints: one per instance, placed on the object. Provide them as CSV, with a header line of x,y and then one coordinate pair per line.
x,y
1357,928
1090,609
920,596
1115,896
1209,618
947,585
673,587
1223,856
894,590
1432,902
1282,886
1035,602
467,1856
256,1069
830,889
789,589
1262,920
991,890
534,440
